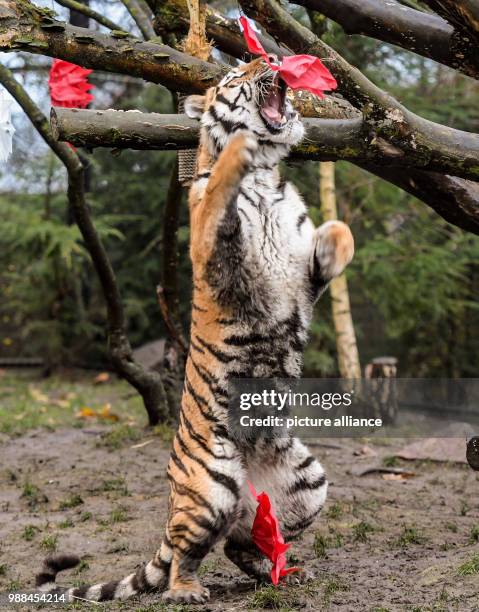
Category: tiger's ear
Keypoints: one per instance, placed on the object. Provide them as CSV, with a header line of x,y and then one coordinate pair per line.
x,y
195,106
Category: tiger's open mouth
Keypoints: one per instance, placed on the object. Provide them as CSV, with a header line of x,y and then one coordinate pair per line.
x,y
273,108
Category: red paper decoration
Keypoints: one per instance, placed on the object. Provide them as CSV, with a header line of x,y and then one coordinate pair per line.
x,y
297,71
68,85
267,536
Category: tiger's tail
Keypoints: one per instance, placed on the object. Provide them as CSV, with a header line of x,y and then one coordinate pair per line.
x,y
150,577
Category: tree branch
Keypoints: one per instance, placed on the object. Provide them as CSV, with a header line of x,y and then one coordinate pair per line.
x,y
172,19
140,17
124,129
463,15
455,199
90,13
25,27
149,384
169,289
423,33
389,125
326,139
424,142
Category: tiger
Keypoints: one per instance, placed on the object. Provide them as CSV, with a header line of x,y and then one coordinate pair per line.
x,y
259,265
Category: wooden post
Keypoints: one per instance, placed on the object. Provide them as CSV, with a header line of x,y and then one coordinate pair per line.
x,y
196,44
381,373
348,355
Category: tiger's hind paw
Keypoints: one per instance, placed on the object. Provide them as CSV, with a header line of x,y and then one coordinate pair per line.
x,y
302,576
334,248
185,596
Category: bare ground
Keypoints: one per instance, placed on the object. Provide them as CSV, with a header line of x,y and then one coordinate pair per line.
x,y
379,545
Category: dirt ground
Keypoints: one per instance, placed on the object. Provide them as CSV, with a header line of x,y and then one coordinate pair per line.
x,y
380,545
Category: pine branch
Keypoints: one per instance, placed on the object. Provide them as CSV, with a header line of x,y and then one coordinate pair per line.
x,y
148,384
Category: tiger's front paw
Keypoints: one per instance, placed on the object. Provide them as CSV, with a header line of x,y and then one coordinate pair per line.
x,y
334,248
241,150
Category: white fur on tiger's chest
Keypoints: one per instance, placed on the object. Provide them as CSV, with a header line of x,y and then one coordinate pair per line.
x,y
277,237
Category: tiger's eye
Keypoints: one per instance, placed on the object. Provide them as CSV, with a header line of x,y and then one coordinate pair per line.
x,y
472,453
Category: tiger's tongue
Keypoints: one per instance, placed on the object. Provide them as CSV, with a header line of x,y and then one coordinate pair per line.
x,y
272,108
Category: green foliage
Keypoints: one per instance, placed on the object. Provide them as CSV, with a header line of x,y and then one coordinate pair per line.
x,y
413,283
410,535
57,401
136,183
270,598
50,543
118,436
29,532
320,545
54,306
362,530
33,495
474,538
72,502
335,511
45,266
469,568
420,275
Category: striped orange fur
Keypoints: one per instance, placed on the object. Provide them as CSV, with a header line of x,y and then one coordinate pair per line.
x,y
259,265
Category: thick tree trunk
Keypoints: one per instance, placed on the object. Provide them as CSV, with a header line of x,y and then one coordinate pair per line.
x,y
348,355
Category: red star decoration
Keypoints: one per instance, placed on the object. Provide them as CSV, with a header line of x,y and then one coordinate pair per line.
x,y
297,71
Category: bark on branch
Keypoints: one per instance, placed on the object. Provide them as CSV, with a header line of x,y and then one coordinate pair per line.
x,y
147,383
391,127
423,33
141,19
89,12
387,120
172,19
326,139
454,199
25,27
463,15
